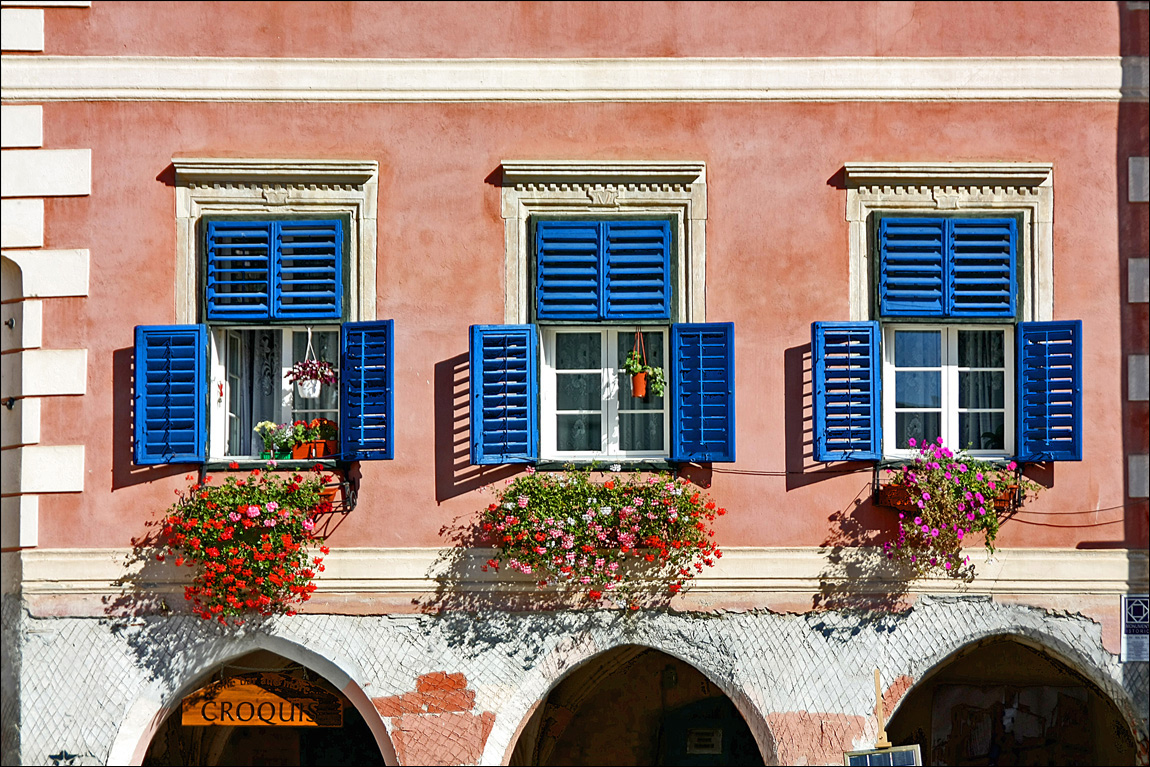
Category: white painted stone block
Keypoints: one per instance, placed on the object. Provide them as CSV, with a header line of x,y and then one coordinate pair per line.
x,y
52,273
21,424
22,223
19,527
44,373
1139,278
21,126
27,319
1139,179
1139,476
1138,377
43,469
45,172
21,29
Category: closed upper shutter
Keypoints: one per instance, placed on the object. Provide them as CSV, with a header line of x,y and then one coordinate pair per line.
x,y
170,393
912,263
981,268
703,392
504,394
846,391
1049,406
637,265
567,284
274,270
367,402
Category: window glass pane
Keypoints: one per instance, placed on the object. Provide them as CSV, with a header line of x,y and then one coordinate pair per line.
x,y
981,431
918,426
917,348
264,384
579,391
578,351
981,349
641,431
325,345
653,345
981,389
578,433
918,388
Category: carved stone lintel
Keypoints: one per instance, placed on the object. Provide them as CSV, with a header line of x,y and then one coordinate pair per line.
x,y
603,197
945,201
275,195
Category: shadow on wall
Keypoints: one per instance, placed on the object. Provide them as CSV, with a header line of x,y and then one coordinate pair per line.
x,y
125,473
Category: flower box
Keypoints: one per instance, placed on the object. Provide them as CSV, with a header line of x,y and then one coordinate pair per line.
x,y
316,448
900,498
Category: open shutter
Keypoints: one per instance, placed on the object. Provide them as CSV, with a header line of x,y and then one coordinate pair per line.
x,y
307,279
504,394
567,270
912,259
367,392
171,393
239,270
637,269
980,271
846,388
1049,403
703,392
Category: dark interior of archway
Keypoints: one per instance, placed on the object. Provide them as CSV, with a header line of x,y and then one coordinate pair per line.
x,y
632,706
352,744
1000,702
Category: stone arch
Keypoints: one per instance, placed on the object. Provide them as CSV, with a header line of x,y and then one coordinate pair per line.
x,y
152,708
569,656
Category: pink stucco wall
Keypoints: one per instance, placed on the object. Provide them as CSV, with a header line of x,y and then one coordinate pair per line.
x,y
776,261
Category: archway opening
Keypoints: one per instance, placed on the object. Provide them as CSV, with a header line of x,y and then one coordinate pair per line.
x,y
270,735
634,705
1000,701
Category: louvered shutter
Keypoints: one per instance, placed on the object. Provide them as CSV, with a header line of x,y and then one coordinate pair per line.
x,y
981,267
367,399
637,269
1049,397
504,394
567,270
912,263
171,393
240,257
703,392
307,275
846,389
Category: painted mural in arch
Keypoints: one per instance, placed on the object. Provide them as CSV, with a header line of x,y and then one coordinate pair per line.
x,y
635,705
287,742
1002,702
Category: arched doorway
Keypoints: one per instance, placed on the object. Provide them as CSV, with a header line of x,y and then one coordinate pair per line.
x,y
635,705
350,743
1000,701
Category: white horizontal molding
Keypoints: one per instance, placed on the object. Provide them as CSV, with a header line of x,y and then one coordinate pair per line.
x,y
143,78
20,425
44,373
52,273
19,521
21,223
46,172
43,469
47,3
940,175
21,126
379,571
21,29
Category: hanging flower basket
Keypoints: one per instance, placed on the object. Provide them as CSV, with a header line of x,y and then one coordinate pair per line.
x,y
308,389
639,385
642,374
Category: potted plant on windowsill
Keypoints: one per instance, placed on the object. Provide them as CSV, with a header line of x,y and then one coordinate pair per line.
x,y
309,375
644,376
277,440
945,498
317,438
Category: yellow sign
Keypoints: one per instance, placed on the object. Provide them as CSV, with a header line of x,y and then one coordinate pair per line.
x,y
262,700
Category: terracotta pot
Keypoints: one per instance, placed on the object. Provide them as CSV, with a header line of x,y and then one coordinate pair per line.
x,y
639,385
303,451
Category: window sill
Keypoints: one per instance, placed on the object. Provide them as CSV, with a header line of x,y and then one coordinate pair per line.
x,y
601,465
246,463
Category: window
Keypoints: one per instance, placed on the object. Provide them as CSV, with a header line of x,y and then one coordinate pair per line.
x,y
600,264
276,276
946,356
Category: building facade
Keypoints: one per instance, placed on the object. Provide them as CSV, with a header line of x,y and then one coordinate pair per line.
x,y
475,211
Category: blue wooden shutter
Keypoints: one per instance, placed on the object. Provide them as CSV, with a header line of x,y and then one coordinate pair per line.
x,y
637,270
504,394
239,270
912,260
171,393
846,389
307,276
703,392
1049,405
367,392
568,284
981,267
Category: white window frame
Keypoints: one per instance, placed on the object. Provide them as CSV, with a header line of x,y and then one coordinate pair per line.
x,y
609,370
949,383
